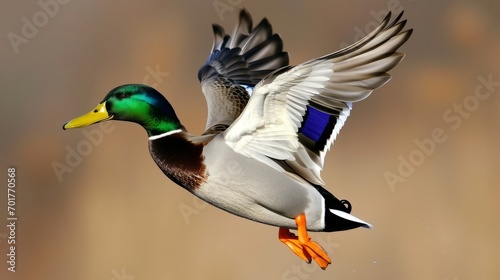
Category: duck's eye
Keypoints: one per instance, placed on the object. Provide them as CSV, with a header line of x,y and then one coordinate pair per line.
x,y
123,95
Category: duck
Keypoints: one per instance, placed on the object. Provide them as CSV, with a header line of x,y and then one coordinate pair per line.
x,y
268,129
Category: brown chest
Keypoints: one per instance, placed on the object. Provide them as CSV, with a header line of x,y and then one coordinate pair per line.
x,y
180,159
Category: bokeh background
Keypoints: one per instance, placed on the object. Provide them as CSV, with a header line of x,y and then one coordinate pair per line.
x,y
111,214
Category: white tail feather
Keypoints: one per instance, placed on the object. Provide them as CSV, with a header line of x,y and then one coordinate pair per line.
x,y
350,217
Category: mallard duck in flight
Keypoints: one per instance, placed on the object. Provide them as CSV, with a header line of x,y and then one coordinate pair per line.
x,y
275,121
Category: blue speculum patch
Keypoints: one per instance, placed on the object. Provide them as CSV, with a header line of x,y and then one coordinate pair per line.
x,y
318,126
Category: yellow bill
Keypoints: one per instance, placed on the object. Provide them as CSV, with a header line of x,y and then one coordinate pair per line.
x,y
99,114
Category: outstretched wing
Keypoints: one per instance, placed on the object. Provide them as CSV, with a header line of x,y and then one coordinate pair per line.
x,y
295,114
236,64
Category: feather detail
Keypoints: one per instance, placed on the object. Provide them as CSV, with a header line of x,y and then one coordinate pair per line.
x,y
236,63
304,107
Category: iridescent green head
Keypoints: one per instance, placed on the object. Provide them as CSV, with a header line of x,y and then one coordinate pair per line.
x,y
134,103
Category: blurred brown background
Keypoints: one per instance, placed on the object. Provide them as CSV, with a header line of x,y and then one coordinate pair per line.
x,y
111,214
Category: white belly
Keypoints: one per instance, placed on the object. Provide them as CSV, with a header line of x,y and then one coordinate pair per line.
x,y
253,190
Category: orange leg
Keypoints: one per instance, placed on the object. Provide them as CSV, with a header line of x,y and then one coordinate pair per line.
x,y
302,245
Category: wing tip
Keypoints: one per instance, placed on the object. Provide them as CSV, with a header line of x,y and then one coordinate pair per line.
x,y
258,46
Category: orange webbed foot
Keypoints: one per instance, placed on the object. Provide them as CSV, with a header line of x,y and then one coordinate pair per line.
x,y
302,245
292,241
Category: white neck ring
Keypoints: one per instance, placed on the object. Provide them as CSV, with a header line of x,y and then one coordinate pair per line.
x,y
154,137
